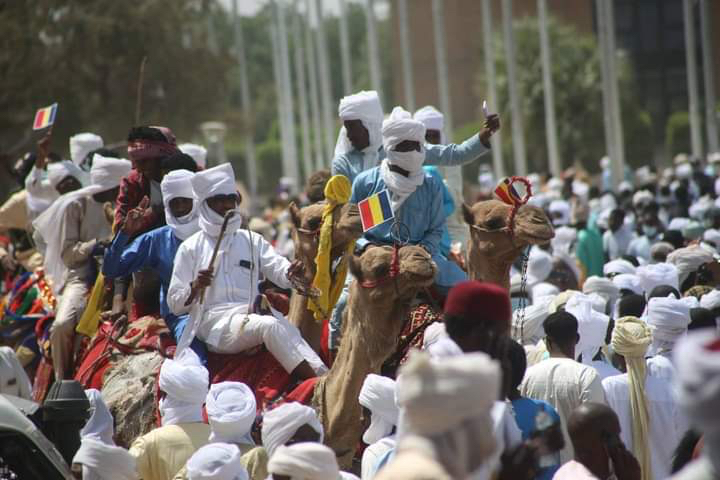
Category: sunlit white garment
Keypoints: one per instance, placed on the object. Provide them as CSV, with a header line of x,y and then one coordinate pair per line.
x,y
564,384
667,423
615,244
507,436
374,454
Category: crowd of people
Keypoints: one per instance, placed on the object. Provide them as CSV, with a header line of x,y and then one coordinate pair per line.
x,y
601,360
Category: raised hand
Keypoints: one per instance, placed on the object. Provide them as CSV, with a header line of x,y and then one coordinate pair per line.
x,y
135,217
491,125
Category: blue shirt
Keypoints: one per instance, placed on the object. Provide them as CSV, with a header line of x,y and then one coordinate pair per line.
x,y
154,249
526,411
350,164
448,207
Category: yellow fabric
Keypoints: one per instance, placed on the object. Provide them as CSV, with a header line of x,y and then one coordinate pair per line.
x,y
90,319
631,338
162,452
337,192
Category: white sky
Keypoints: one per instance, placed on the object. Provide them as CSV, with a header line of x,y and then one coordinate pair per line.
x,y
330,7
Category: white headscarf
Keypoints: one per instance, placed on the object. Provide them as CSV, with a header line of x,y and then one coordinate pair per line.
x,y
105,174
13,379
185,381
669,318
280,424
592,326
208,183
378,395
627,281
688,260
231,412
658,274
100,424
197,152
216,461
433,119
59,171
561,207
305,461
604,287
398,128
618,266
83,143
178,184
530,330
101,461
540,264
364,106
711,300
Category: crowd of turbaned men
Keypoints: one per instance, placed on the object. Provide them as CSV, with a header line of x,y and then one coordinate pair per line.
x,y
564,328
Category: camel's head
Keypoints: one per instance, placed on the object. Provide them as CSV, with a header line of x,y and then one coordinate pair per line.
x,y
387,275
347,227
490,230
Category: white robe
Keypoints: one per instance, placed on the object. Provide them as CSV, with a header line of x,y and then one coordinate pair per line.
x,y
615,244
667,423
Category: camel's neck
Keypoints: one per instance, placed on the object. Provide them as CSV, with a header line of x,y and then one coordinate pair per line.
x,y
486,269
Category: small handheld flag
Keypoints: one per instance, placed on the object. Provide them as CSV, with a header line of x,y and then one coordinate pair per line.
x,y
506,192
375,210
45,117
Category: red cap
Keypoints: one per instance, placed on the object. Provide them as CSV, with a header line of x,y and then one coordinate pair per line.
x,y
487,302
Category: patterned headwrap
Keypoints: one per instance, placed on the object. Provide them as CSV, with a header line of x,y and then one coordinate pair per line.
x,y
142,149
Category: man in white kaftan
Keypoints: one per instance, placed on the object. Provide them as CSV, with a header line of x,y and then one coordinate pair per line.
x,y
224,318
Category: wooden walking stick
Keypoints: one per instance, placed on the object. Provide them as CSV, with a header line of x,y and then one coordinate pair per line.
x,y
228,216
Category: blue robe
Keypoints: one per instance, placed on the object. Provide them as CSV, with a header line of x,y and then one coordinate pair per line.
x,y
154,250
448,207
350,164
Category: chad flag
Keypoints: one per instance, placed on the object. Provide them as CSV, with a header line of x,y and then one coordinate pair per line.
x,y
507,193
375,210
45,117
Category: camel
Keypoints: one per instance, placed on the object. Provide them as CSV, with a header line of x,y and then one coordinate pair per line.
x,y
494,246
307,221
386,281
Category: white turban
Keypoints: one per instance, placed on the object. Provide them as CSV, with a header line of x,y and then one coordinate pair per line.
x,y
208,183
378,395
627,281
543,289
643,196
59,171
305,461
280,424
562,210
178,184
592,326
678,223
669,318
688,260
618,266
82,144
540,264
231,410
100,424
431,117
13,379
698,209
712,235
107,172
711,300
101,461
657,274
185,381
530,330
197,152
604,287
364,106
444,347
216,461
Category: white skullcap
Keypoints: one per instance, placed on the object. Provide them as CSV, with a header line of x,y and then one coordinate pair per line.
x,y
82,144
711,300
103,461
100,424
378,395
561,207
683,171
540,264
216,461
305,461
107,172
280,424
643,196
218,180
364,105
197,152
628,281
678,223
625,186
530,330
59,171
13,379
592,326
543,289
697,358
178,184
657,274
670,316
688,260
618,266
439,396
605,162
185,381
431,117
400,127
231,410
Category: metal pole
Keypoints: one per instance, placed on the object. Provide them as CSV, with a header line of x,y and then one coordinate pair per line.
x,y
277,73
489,54
518,134
302,96
441,63
606,94
251,162
709,78
549,94
326,96
691,66
345,49
373,49
618,136
293,170
318,145
406,50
